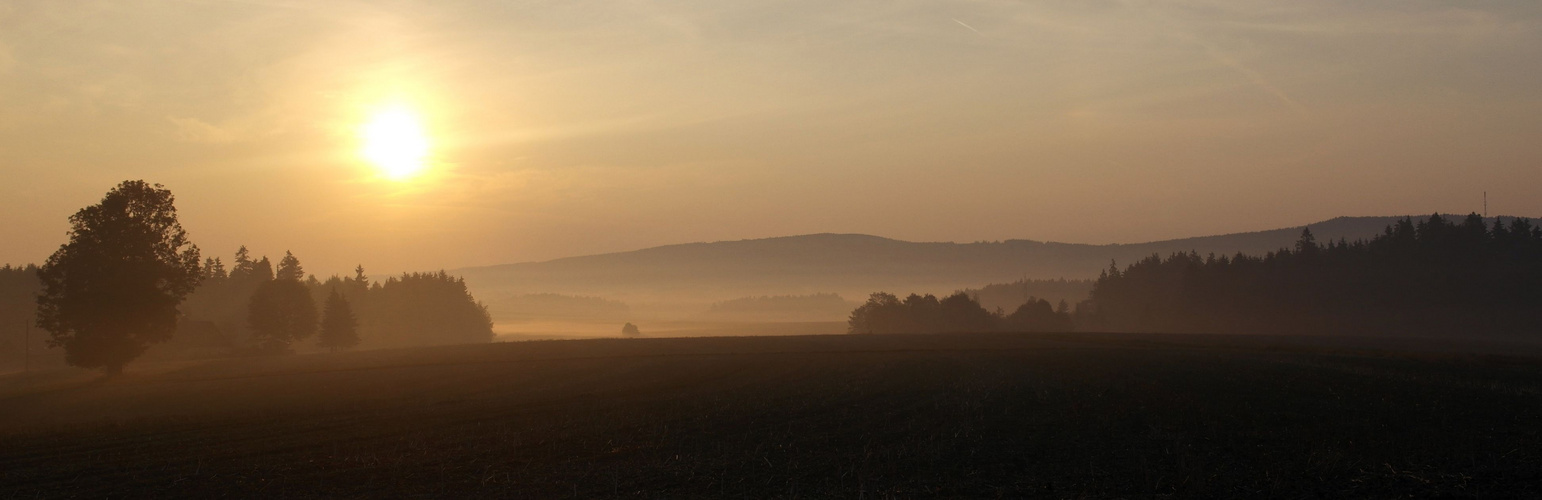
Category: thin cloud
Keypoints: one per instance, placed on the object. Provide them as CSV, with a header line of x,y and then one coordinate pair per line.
x,y
966,25
1257,79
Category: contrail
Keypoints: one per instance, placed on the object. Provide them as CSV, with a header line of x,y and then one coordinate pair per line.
x,y
971,28
1257,79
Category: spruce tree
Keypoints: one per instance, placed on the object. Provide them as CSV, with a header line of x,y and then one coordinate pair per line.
x,y
289,268
281,311
243,267
339,327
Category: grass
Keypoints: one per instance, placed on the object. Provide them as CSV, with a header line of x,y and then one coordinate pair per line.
x,y
978,416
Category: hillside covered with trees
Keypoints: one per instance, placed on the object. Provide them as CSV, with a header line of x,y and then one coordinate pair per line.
x,y
1432,277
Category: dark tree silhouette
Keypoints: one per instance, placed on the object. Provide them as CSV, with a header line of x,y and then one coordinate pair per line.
x,y
1433,276
19,288
631,330
1037,316
339,327
1009,296
886,313
213,270
289,268
425,309
244,268
281,311
360,282
412,309
882,313
223,299
113,290
262,270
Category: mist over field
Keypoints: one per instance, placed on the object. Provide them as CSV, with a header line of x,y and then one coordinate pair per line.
x,y
689,282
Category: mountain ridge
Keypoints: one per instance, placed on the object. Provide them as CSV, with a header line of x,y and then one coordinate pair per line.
x,y
854,264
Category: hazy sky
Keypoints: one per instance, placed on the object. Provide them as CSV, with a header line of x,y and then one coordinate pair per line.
x,y
573,127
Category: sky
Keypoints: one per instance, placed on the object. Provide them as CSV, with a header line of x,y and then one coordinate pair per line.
x,y
561,128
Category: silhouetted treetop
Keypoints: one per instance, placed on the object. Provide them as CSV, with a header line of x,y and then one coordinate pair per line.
x,y
289,268
886,313
339,327
113,289
1429,276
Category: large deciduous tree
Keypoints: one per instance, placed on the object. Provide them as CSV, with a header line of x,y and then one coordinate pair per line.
x,y
113,290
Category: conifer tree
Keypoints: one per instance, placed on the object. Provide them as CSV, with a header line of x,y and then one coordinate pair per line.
x,y
242,268
289,268
360,280
281,311
262,270
339,327
1307,244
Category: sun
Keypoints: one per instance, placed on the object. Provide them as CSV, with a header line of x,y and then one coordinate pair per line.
x,y
394,140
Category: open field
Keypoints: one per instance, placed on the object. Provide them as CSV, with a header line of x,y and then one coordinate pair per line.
x,y
999,415
570,330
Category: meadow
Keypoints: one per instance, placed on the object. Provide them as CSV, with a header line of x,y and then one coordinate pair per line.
x,y
854,416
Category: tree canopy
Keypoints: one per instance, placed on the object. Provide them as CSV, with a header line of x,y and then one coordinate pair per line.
x,y
281,311
339,327
1432,276
887,313
113,289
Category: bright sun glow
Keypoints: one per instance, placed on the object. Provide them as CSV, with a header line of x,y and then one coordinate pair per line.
x,y
395,142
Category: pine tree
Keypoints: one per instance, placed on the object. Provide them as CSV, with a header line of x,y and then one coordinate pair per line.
x,y
281,311
262,270
1307,244
289,268
244,268
213,269
339,327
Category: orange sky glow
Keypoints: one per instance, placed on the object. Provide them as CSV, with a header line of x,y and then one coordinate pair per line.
x,y
427,135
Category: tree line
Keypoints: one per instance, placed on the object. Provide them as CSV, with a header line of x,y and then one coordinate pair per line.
x,y
277,307
1011,295
129,278
1431,276
956,313
18,312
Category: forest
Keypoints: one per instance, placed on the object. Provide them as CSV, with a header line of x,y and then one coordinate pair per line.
x,y
956,313
1430,277
1007,296
430,308
411,309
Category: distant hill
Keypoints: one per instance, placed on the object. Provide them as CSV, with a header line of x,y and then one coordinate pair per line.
x,y
855,264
